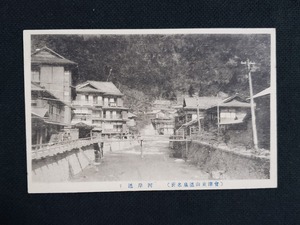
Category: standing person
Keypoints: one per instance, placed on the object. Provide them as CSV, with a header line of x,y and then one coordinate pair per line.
x,y
65,137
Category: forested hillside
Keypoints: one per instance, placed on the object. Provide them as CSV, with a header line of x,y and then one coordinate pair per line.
x,y
152,66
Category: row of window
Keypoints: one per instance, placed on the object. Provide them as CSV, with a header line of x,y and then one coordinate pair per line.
x,y
228,114
56,113
50,74
92,99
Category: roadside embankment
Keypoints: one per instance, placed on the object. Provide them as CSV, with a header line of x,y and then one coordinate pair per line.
x,y
65,165
222,162
62,166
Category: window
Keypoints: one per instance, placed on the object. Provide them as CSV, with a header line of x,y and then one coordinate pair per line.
x,y
228,114
35,75
108,115
86,98
95,100
33,103
105,101
67,75
114,114
50,109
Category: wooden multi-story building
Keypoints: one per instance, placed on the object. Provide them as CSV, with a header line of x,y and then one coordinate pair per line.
x,y
100,105
47,116
54,73
187,120
51,95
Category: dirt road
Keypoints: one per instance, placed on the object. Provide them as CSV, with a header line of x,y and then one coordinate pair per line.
x,y
128,165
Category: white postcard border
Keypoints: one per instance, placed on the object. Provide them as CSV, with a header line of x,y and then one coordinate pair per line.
x,y
151,185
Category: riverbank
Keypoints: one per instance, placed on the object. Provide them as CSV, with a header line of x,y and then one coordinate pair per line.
x,y
222,162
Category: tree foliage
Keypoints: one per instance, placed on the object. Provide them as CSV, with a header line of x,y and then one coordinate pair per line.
x,y
165,66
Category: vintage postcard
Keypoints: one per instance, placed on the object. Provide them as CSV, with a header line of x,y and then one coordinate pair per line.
x,y
144,110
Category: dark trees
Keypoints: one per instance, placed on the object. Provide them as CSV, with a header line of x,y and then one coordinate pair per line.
x,y
167,65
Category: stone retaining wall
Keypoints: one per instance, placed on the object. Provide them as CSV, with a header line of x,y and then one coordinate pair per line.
x,y
222,163
62,166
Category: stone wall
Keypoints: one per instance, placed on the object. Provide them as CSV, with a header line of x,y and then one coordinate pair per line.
x,y
221,162
62,166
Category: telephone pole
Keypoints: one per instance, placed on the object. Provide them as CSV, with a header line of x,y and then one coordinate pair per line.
x,y
249,64
198,114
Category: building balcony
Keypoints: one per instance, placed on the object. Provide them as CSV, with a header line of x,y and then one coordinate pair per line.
x,y
82,103
97,117
112,131
87,103
114,119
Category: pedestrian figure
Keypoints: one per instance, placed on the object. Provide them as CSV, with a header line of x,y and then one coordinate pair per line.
x,y
226,138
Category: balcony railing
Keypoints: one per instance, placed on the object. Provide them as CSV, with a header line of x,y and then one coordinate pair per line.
x,y
82,103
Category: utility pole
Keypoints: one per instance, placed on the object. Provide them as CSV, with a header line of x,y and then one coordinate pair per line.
x,y
109,74
198,115
248,64
218,116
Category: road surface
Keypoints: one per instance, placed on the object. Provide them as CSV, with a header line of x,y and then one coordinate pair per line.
x,y
128,165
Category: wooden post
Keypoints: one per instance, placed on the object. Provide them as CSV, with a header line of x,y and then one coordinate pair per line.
x,y
198,116
248,64
186,150
142,156
218,116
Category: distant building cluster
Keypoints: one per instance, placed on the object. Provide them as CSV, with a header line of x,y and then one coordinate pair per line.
x,y
162,117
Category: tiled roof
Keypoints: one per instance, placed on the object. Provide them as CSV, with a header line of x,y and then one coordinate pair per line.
x,y
104,87
88,89
36,87
131,115
46,55
40,112
162,102
235,103
47,93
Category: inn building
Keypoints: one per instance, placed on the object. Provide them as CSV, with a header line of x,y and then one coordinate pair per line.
x,y
99,105
51,95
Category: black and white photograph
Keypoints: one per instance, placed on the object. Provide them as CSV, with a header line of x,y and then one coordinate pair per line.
x,y
144,110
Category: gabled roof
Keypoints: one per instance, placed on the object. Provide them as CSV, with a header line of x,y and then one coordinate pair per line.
x,y
40,112
233,101
204,102
88,89
191,122
37,88
131,115
155,111
162,102
263,93
107,88
46,55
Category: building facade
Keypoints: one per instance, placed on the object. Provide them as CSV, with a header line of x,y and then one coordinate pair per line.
x,y
54,73
187,120
47,117
100,106
51,95
263,115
